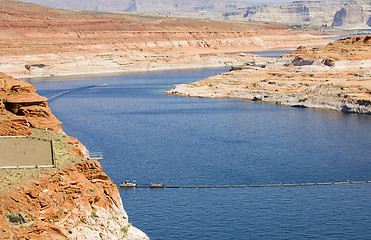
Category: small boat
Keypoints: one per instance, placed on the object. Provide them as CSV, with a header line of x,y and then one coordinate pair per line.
x,y
128,184
157,185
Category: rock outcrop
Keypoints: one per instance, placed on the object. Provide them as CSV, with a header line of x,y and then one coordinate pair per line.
x,y
21,108
39,41
78,202
354,13
345,14
336,77
355,48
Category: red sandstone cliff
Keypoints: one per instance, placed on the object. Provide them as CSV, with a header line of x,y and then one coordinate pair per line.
x,y
78,202
21,108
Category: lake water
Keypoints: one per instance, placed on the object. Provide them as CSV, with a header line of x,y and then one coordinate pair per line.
x,y
156,138
271,54
366,32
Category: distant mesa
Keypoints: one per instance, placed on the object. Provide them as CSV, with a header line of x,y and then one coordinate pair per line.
x,y
345,14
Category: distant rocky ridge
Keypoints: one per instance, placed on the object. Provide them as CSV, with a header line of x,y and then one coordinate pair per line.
x,y
345,14
143,6
348,14
336,77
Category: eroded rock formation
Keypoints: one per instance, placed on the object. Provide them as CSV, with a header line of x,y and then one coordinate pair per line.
x,y
21,108
336,77
78,202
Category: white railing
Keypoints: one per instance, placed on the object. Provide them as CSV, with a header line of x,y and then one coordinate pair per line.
x,y
95,156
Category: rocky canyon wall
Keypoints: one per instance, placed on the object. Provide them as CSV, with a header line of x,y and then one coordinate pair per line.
x,y
143,6
41,41
341,14
349,14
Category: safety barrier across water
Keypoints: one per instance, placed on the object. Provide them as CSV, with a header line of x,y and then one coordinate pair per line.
x,y
249,186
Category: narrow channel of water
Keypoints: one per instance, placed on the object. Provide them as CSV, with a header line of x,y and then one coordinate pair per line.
x,y
156,138
366,32
272,54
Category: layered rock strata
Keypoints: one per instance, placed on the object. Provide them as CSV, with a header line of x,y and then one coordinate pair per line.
x,y
345,14
39,41
144,6
336,77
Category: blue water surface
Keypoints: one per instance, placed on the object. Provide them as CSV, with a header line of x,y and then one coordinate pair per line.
x,y
272,54
365,32
156,138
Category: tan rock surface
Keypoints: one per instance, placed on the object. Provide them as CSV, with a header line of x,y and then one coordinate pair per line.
x,y
337,77
39,41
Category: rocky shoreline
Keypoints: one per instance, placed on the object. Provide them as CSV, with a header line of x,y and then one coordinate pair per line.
x,y
336,77
59,64
136,62
77,202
